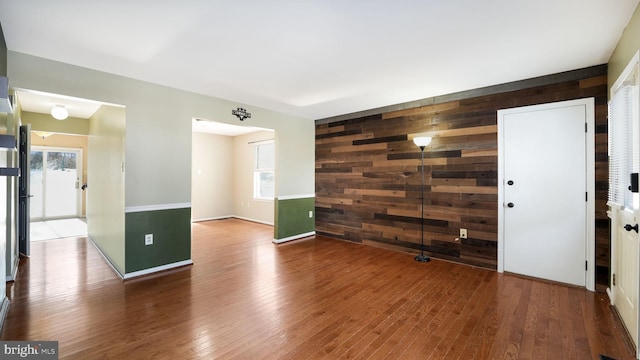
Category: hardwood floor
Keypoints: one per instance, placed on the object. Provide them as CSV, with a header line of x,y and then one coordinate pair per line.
x,y
245,298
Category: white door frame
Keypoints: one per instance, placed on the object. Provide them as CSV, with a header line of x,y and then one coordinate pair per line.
x,y
589,104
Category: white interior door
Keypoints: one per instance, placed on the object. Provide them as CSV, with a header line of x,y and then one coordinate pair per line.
x,y
544,172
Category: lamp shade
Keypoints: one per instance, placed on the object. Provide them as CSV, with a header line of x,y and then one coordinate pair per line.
x,y
422,140
59,112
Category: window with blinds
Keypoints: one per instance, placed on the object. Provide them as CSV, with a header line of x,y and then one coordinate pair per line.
x,y
624,137
264,171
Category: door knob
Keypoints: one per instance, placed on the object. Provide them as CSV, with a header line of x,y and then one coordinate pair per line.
x,y
510,182
510,205
628,227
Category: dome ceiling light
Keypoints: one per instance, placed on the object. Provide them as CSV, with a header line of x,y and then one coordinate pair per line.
x,y
59,112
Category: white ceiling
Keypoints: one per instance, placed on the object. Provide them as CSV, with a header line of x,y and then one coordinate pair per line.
x,y
40,102
320,58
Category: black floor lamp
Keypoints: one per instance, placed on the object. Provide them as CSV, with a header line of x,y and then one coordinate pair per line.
x,y
422,142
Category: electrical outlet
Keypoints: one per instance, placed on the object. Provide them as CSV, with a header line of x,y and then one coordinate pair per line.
x,y
148,239
310,213
463,233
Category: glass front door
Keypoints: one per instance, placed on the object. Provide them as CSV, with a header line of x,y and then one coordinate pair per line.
x,y
55,183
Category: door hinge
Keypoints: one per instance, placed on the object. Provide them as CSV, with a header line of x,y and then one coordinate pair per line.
x,y
585,127
586,196
586,265
614,279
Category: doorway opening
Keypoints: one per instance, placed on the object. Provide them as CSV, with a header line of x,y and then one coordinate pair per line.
x,y
56,209
54,166
56,189
233,172
96,215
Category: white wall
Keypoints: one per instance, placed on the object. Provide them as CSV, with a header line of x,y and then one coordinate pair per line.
x,y
211,177
106,181
158,128
295,159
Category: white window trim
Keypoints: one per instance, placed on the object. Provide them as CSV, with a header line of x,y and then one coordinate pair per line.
x,y
257,171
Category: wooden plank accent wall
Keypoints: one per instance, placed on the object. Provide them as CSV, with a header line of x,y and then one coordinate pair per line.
x,y
368,174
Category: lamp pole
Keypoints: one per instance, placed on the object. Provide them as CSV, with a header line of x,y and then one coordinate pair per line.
x,y
422,142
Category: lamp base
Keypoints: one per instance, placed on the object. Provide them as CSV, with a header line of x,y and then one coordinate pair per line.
x,y
422,258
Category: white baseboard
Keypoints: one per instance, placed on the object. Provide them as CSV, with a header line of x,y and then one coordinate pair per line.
x,y
157,269
212,218
14,271
295,237
4,309
106,258
253,220
141,272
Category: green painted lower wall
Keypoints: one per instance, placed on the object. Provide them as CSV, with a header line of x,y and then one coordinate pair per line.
x,y
292,217
171,231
